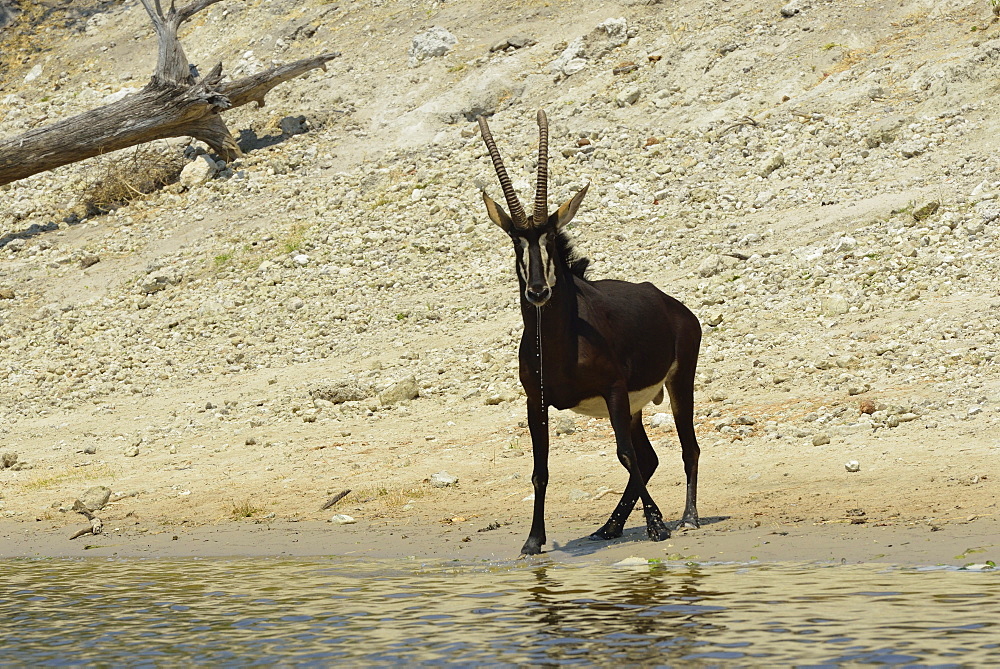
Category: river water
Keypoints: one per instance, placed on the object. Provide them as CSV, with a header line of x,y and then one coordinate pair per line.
x,y
332,611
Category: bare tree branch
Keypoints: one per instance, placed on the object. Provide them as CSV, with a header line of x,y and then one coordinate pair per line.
x,y
190,10
172,104
255,87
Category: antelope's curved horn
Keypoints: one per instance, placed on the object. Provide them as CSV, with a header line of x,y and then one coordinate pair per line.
x,y
541,213
516,210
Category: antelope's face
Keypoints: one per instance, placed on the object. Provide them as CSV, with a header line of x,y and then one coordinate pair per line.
x,y
535,238
535,245
536,263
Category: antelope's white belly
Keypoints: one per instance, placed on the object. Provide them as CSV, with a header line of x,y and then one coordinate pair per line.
x,y
596,407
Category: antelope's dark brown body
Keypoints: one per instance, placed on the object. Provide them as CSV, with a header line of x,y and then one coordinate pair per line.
x,y
602,348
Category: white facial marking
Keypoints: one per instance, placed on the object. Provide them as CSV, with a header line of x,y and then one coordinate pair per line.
x,y
547,263
522,265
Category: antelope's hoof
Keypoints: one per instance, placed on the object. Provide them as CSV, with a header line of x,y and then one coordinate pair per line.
x,y
605,533
532,546
690,522
657,530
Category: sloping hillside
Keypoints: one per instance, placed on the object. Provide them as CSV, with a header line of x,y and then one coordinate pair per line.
x,y
820,188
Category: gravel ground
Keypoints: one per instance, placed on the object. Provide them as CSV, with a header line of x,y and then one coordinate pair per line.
x,y
335,311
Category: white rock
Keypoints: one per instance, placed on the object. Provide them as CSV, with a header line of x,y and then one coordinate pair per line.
x,y
118,95
573,66
33,73
661,420
342,519
198,171
402,390
835,305
617,30
443,479
628,96
632,563
845,245
710,266
434,43
852,466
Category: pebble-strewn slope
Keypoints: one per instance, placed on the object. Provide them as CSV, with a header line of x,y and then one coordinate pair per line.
x,y
821,189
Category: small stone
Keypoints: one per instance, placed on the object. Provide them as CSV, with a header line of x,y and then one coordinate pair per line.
x,y
629,96
154,283
866,406
715,320
521,41
820,439
293,125
89,260
342,519
400,391
845,245
577,495
926,210
573,66
8,459
632,563
773,162
501,396
661,420
198,171
132,451
852,466
791,9
835,305
33,73
89,449
443,479
6,293
564,425
95,498
430,44
710,266
340,391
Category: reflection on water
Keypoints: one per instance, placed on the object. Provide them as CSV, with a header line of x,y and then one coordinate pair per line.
x,y
150,612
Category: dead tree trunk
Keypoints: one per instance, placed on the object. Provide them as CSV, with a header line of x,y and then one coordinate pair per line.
x,y
173,104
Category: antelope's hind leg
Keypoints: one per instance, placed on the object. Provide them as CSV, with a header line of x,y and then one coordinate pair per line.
x,y
680,389
647,461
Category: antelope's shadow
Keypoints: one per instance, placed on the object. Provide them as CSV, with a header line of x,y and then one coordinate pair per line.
x,y
632,535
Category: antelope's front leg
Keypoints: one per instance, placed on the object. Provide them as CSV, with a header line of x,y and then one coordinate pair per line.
x,y
656,528
538,426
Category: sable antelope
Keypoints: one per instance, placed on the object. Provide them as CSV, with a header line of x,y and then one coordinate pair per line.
x,y
601,348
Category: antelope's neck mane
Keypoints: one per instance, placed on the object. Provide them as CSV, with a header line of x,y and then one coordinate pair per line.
x,y
574,262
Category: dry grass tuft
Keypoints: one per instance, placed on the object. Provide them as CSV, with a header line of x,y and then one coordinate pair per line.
x,y
245,509
131,176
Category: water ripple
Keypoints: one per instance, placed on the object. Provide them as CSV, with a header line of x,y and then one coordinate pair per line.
x,y
263,612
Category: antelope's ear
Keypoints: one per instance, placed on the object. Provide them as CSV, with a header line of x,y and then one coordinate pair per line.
x,y
566,212
498,215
